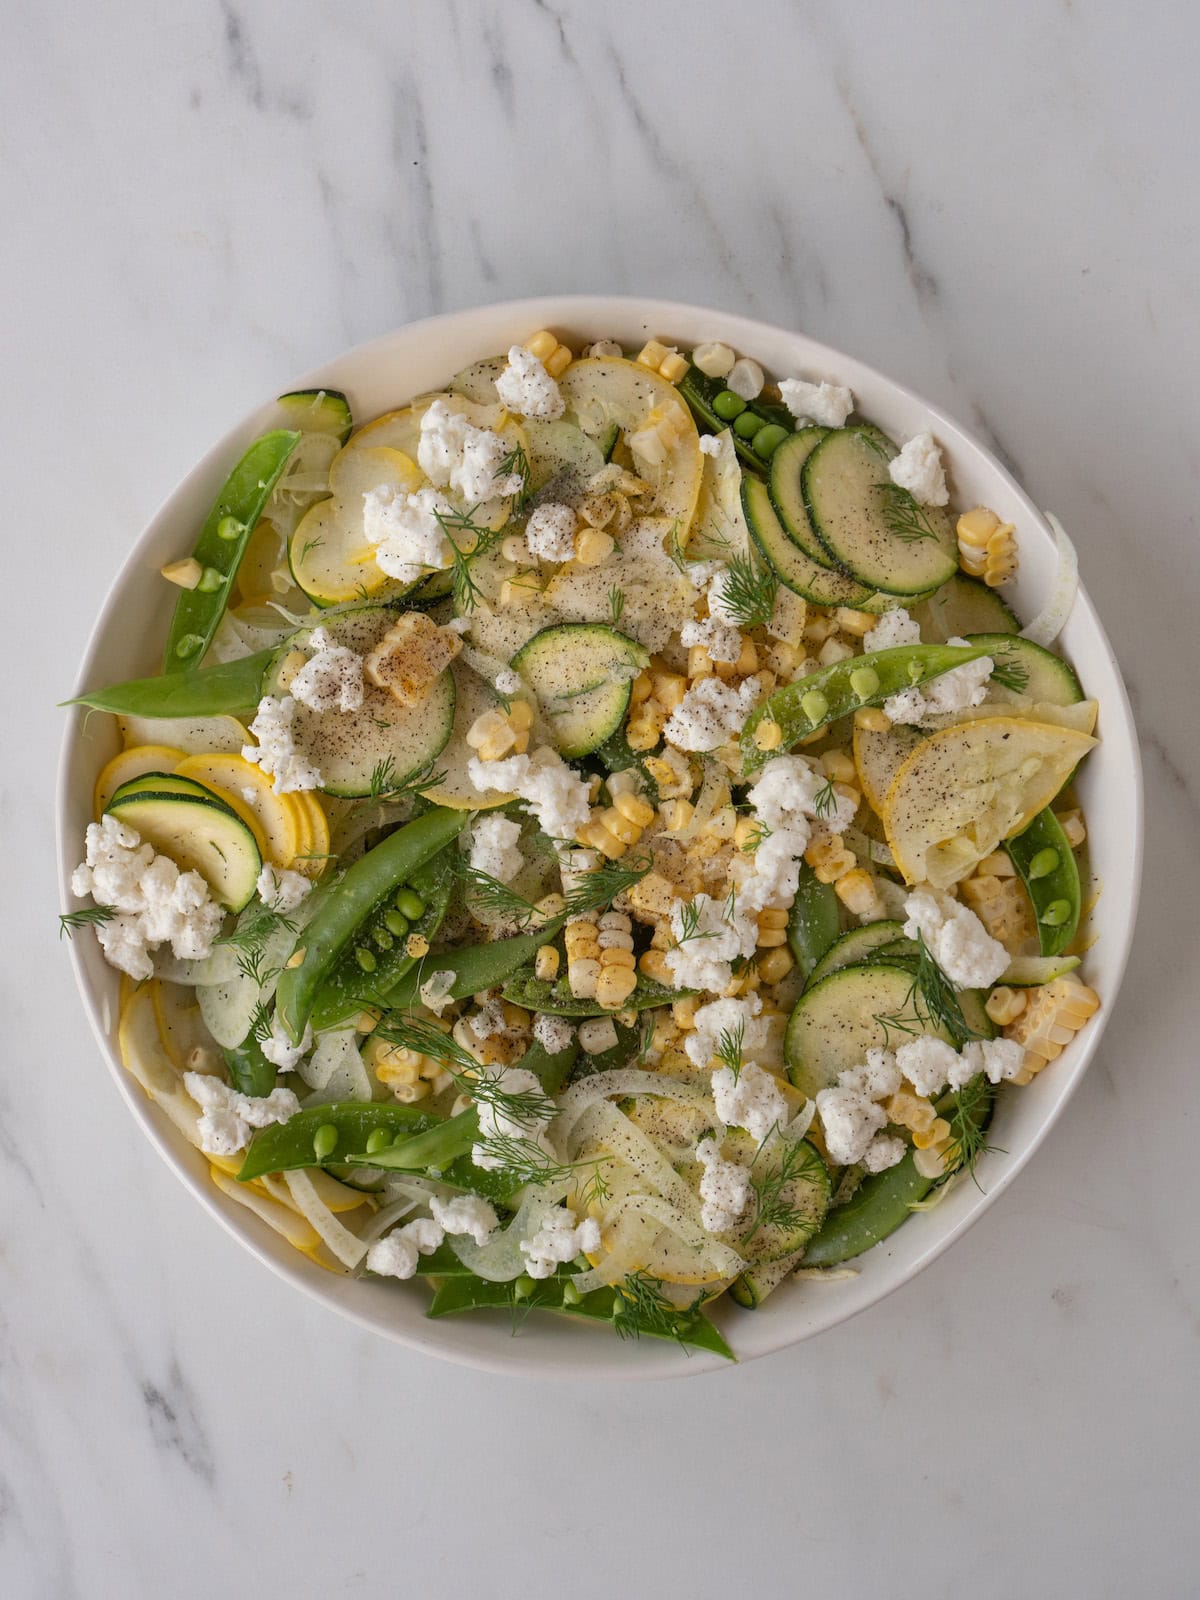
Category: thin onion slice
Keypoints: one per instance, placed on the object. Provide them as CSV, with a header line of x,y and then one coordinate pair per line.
x,y
286,1222
1050,621
346,1246
626,1080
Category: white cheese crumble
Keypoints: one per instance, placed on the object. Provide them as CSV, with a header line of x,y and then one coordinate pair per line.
x,y
495,1122
279,1050
550,532
282,890
724,1188
397,1253
404,528
528,389
435,991
931,1065
721,934
710,444
465,1213
789,798
918,468
509,682
884,1151
956,690
752,1100
452,452
229,1117
826,404
851,1117
894,628
558,1240
494,847
955,938
557,797
711,713
927,1063
728,1016
276,752
332,678
722,642
155,902
489,1019
554,1034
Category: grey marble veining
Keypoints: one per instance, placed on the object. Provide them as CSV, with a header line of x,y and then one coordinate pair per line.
x,y
995,206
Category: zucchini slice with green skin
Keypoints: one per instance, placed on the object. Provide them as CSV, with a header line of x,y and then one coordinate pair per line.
x,y
221,545
1047,867
582,674
854,947
318,411
963,605
796,571
795,1169
787,467
813,921
1042,675
164,783
753,1286
200,835
873,530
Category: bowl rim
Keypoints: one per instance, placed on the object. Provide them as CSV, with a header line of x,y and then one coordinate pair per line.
x,y
503,1356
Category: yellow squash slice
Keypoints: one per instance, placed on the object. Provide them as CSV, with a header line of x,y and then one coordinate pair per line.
x,y
312,852
126,765
247,789
472,698
965,789
329,554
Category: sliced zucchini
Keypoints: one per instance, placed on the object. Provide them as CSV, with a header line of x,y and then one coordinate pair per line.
x,y
795,1170
753,1286
871,529
961,606
855,947
317,411
797,571
478,381
199,835
787,466
582,674
160,783
1036,674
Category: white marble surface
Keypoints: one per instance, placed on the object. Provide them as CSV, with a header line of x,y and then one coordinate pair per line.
x,y
203,200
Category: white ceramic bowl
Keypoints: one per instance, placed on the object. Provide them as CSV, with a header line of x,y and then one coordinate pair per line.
x,y
385,373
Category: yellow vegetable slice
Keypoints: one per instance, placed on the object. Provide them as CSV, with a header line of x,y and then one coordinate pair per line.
x,y
284,1221
264,552
191,735
965,789
472,698
129,764
878,757
247,788
180,1025
145,1058
312,854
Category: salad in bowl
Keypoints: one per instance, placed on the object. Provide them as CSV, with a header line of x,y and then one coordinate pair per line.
x,y
600,841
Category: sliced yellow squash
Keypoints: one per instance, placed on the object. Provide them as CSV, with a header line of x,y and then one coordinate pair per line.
x,y
312,855
134,762
191,735
247,788
146,1059
965,789
878,757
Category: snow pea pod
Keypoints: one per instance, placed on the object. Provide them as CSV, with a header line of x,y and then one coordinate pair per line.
x,y
810,703
1046,866
288,1145
477,967
813,922
535,994
227,689
373,877
249,1070
221,545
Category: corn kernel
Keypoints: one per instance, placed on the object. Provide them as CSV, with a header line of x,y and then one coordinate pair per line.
x,y
1072,824
409,1093
545,964
976,527
593,548
598,510
638,812
669,689
775,965
714,360
856,622
643,731
1005,1005
700,663
673,367
596,1035
930,1163
653,964
652,897
857,892
514,549
768,735
583,976
186,574
828,857
838,767
520,716
542,344
997,865
613,956
651,354
908,1110
683,1012
641,689
871,719
614,986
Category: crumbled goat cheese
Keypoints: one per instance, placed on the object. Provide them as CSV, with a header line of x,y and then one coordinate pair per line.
x,y
852,1118
555,795
722,934
884,1151
956,690
710,713
554,1034
397,1253
459,625
753,1100
955,938
435,991
332,679
489,1019
725,1016
276,751
927,1063
558,1240
550,532
495,1122
405,531
509,682
282,890
1000,1059
528,389
229,1117
494,847
469,460
725,1188
155,902
893,629
279,1050
827,404
723,643
918,468
878,1077
785,803
710,444
718,589
465,1213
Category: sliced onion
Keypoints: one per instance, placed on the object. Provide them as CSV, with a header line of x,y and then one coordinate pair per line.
x,y
346,1246
386,1217
500,1260
627,1141
336,1069
285,1220
627,1080
1050,621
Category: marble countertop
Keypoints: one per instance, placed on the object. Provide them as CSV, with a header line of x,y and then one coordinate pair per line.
x,y
201,202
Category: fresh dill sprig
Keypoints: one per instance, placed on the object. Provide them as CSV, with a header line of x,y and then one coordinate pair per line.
x,y
639,1306
825,800
904,518
896,1021
1010,672
523,1107
477,542
969,1138
521,1161
309,545
748,592
730,1047
674,549
516,461
250,940
938,998
689,924
774,1206
386,785
260,1022
616,604
602,885
490,895
85,917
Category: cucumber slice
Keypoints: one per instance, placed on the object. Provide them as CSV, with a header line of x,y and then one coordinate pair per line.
x,y
854,947
787,466
797,571
582,674
1041,675
961,606
381,743
199,835
804,1192
885,541
561,459
318,411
